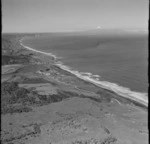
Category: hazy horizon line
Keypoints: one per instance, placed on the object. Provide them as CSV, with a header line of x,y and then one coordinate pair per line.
x,y
84,30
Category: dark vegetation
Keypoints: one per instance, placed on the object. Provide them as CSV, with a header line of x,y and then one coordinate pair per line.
x,y
16,99
105,96
92,98
36,81
13,98
109,140
6,59
44,99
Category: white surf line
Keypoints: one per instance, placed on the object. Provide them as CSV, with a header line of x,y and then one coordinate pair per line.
x,y
125,95
49,54
100,84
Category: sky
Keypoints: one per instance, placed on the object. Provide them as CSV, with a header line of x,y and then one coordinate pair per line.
x,y
73,15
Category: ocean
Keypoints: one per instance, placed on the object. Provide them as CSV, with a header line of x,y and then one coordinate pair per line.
x,y
116,60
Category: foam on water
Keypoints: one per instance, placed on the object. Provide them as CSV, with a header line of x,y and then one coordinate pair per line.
x,y
96,77
122,91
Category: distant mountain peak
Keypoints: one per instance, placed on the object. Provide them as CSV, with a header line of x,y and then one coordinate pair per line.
x,y
99,27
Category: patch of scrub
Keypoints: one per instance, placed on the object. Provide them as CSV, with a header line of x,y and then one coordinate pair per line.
x,y
42,89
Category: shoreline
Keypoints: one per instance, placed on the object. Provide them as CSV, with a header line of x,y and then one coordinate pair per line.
x,y
48,54
141,98
42,103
